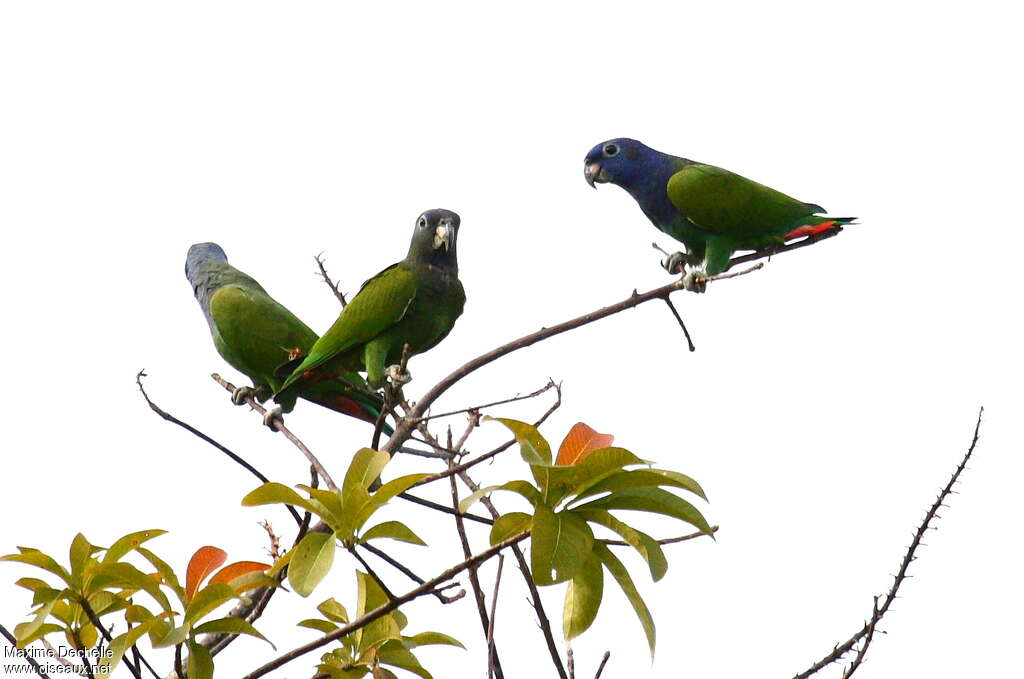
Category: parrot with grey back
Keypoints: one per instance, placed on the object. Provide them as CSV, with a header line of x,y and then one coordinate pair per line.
x,y
413,302
713,212
256,335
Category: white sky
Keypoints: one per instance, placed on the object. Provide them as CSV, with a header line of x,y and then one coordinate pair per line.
x,y
831,394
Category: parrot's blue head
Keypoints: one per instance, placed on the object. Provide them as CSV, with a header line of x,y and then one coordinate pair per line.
x,y
637,168
202,252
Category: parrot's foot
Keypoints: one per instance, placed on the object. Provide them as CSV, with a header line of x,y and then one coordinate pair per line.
x,y
273,418
243,394
674,263
695,281
397,376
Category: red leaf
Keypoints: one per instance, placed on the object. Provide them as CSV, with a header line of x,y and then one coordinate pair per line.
x,y
203,562
234,570
580,442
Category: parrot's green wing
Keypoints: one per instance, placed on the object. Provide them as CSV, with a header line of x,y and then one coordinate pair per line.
x,y
727,204
254,333
380,303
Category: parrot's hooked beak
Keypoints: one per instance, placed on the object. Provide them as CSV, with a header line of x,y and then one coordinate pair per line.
x,y
444,235
593,172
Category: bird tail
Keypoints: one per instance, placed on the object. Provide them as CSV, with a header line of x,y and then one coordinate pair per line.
x,y
343,398
815,226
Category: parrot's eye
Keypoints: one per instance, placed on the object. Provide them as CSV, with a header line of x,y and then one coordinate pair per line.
x,y
611,150
422,222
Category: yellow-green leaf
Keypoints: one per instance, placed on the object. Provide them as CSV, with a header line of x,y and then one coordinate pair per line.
x,y
507,525
394,530
532,446
560,542
311,560
230,625
129,542
207,599
621,575
200,662
583,597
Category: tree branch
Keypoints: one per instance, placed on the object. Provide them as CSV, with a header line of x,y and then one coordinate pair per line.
x,y
867,631
327,279
27,658
278,425
383,610
195,432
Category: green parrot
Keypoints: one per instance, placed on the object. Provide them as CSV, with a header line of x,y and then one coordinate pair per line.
x,y
256,335
415,301
713,212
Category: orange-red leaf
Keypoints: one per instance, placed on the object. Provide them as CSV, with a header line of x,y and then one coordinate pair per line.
x,y
234,570
580,442
203,562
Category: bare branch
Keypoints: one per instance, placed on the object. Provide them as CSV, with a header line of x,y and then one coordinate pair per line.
x,y
879,611
384,556
405,427
384,609
494,610
550,385
195,432
604,661
333,285
665,541
27,658
278,425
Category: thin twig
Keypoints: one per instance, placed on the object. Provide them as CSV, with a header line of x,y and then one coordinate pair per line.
x,y
77,638
192,430
550,385
384,609
27,657
604,661
338,294
863,650
524,569
493,661
879,611
95,620
570,662
494,611
665,541
679,319
278,425
384,556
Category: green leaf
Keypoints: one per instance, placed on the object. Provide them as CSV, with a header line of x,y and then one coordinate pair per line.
x,y
129,542
207,599
366,465
334,611
165,571
200,662
128,576
319,625
230,625
27,630
327,504
583,597
171,636
78,555
34,557
312,559
621,576
394,530
397,486
525,489
559,544
276,493
430,639
654,500
532,446
37,633
507,525
395,654
32,584
120,644
647,546
638,478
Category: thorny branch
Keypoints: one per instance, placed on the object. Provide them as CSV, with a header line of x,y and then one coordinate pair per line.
x,y
333,285
866,632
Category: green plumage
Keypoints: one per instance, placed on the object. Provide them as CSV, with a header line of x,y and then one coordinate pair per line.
x,y
256,335
414,302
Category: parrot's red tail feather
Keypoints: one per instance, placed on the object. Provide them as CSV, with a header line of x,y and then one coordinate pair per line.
x,y
811,229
